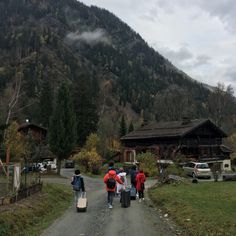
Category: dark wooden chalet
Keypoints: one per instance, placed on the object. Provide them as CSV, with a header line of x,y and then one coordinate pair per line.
x,y
38,132
199,140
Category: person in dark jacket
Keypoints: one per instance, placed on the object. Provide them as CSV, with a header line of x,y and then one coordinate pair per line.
x,y
133,173
77,182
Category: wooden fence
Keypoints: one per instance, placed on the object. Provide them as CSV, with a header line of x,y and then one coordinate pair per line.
x,y
21,194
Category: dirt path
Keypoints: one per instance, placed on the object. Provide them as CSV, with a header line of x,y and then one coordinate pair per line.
x,y
139,219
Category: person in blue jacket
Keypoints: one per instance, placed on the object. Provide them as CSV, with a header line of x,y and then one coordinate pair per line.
x,y
77,182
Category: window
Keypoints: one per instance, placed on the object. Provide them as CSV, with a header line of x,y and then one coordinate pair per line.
x,y
202,166
192,165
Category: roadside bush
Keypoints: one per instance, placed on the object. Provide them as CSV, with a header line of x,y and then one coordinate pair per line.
x,y
82,160
95,162
174,169
89,161
147,162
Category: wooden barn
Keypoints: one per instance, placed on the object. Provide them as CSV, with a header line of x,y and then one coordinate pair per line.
x,y
199,140
39,133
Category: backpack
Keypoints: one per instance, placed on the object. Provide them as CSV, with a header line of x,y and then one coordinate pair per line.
x,y
111,183
77,183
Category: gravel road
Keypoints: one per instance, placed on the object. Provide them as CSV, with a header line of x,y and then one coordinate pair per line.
x,y
139,219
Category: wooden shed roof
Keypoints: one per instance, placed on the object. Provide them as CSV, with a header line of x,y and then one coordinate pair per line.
x,y
31,126
170,129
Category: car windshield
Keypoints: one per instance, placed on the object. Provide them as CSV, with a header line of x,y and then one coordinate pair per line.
x,y
202,166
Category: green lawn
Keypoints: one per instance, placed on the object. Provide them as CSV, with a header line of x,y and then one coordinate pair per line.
x,y
203,209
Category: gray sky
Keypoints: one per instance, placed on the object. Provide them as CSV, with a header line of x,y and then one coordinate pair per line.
x,y
197,36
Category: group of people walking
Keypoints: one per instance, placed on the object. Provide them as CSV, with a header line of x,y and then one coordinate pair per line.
x,y
119,182
116,182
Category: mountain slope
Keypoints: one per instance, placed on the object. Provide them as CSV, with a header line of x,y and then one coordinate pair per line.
x,y
58,40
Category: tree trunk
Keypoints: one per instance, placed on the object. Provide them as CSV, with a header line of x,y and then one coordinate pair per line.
x,y
8,160
59,166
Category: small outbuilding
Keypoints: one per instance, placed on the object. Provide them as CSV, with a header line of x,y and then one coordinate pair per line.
x,y
38,132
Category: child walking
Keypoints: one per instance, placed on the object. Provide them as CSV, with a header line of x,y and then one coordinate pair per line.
x,y
110,180
140,186
122,176
77,183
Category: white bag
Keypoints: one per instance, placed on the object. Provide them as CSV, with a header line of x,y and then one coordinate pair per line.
x,y
82,203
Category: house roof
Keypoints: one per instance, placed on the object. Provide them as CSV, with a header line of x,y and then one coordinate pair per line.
x,y
30,125
226,149
170,129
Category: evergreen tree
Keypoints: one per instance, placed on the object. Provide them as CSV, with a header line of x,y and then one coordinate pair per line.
x,y
123,127
45,103
131,127
85,100
62,128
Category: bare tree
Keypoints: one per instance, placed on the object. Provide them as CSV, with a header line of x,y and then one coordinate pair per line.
x,y
15,97
221,104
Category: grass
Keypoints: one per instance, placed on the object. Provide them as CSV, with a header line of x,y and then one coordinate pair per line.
x,y
31,215
203,209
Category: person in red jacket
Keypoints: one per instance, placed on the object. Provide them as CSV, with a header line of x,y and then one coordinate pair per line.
x,y
140,180
110,180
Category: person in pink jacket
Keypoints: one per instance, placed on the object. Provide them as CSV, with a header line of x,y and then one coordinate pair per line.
x,y
140,186
110,180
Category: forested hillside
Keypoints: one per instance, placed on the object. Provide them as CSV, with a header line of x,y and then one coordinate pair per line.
x,y
111,69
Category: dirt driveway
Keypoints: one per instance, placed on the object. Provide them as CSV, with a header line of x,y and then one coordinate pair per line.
x,y
139,219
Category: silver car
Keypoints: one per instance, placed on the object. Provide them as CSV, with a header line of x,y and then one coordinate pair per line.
x,y
197,169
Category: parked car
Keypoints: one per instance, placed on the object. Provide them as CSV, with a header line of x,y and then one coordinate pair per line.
x,y
52,165
69,163
49,164
40,167
197,169
27,169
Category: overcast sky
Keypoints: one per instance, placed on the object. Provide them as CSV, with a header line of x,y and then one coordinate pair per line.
x,y
197,36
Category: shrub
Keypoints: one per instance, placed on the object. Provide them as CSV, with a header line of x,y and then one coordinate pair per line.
x,y
147,162
82,160
95,162
89,161
174,169
92,142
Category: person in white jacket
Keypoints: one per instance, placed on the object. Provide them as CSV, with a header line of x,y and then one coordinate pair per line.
x,y
122,176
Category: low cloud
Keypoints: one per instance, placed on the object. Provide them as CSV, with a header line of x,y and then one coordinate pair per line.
x,y
89,37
